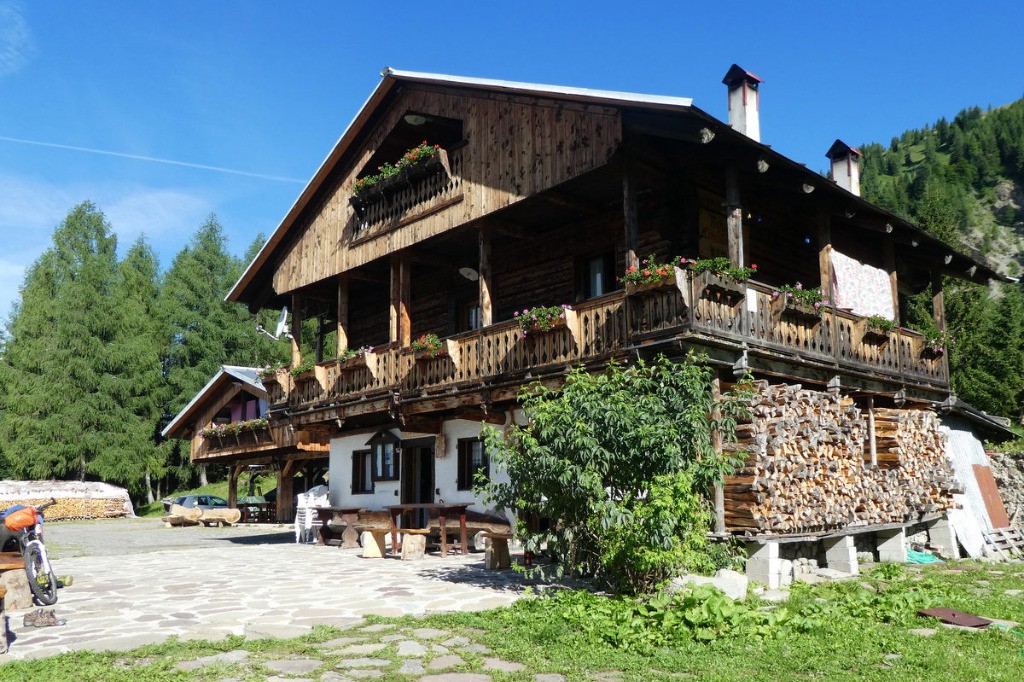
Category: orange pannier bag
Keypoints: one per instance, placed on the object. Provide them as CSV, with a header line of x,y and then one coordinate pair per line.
x,y
20,519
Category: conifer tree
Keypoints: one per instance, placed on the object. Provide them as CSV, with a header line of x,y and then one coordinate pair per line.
x,y
56,417
135,378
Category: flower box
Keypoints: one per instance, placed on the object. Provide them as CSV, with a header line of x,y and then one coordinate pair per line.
x,y
355,362
719,284
783,306
555,326
875,337
407,176
932,353
634,289
448,350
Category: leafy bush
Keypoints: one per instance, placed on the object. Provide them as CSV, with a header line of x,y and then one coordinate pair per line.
x,y
703,614
621,462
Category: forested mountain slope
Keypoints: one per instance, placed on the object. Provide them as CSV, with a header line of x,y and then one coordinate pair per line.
x,y
963,181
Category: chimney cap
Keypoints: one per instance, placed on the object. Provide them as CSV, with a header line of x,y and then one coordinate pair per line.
x,y
736,74
840,150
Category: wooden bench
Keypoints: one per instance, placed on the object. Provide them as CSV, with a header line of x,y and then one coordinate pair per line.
x,y
496,555
377,549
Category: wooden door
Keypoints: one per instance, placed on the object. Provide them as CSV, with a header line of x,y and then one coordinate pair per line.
x,y
418,476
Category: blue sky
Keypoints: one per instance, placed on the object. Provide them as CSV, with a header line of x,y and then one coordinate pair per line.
x,y
264,89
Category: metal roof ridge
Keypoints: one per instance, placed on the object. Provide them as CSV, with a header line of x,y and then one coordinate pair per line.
x,y
538,88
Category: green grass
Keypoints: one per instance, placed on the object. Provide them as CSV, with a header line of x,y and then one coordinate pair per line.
x,y
848,644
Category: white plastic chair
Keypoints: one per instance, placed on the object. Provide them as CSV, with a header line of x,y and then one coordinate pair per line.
x,y
305,516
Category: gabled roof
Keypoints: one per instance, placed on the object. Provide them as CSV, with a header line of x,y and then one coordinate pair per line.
x,y
227,374
262,266
392,78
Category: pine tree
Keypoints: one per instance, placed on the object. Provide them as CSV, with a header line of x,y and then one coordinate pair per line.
x,y
55,418
136,376
201,330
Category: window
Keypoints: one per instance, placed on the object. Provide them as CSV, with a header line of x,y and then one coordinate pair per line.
x,y
469,315
385,462
362,467
472,459
596,275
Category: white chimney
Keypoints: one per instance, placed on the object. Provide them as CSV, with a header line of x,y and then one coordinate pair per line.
x,y
744,101
845,170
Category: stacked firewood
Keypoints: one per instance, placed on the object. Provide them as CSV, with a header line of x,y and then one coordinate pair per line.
x,y
808,464
75,499
75,507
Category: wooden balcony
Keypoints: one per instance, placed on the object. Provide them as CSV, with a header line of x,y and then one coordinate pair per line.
x,y
615,324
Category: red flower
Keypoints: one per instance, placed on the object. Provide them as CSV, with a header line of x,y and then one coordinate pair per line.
x,y
753,266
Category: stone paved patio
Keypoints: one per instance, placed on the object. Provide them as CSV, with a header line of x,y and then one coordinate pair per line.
x,y
221,583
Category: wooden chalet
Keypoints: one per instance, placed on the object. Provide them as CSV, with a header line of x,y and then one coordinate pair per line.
x,y
226,423
544,195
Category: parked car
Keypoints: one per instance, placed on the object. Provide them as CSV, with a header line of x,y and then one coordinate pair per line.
x,y
200,501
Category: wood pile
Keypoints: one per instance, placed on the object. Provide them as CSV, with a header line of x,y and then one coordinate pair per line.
x,y
75,499
808,465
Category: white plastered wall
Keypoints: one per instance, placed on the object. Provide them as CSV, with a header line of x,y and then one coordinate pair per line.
x,y
387,492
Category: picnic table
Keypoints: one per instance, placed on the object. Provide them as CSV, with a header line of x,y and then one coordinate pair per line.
x,y
444,510
346,516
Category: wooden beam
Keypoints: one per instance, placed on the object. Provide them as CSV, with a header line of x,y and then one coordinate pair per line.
x,y
938,302
566,201
401,291
889,263
825,254
489,417
236,471
734,217
630,215
342,314
296,330
508,228
422,425
484,281
716,442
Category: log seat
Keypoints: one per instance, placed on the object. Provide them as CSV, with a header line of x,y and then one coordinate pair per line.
x,y
496,555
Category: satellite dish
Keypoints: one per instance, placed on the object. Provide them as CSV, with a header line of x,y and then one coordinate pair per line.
x,y
282,323
282,327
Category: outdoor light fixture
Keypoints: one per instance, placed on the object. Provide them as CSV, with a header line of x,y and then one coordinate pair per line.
x,y
762,165
470,274
415,119
808,188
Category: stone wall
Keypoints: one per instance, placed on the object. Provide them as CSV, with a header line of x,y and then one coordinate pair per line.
x,y
1008,470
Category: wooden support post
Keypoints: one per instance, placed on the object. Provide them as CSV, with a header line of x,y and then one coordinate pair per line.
x,y
400,293
825,255
889,262
286,491
484,280
296,330
342,314
734,217
871,431
630,213
236,471
716,441
938,302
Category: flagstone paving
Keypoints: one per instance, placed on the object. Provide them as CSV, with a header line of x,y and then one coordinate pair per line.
x,y
224,585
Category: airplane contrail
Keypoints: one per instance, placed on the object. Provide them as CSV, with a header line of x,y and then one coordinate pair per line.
x,y
218,169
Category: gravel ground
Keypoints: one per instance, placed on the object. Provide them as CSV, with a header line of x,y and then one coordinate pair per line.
x,y
117,537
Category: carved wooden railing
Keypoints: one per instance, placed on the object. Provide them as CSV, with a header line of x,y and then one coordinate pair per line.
x,y
610,324
424,193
